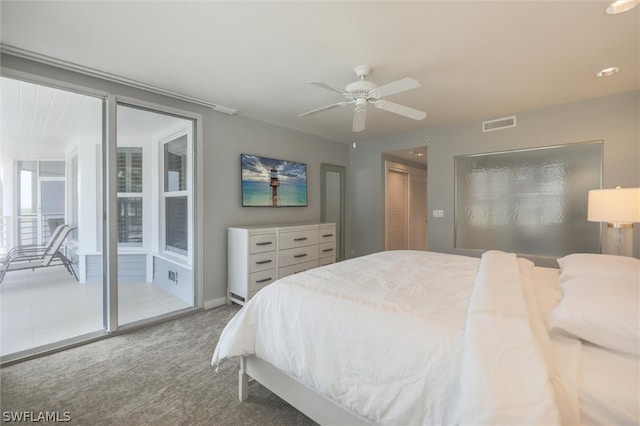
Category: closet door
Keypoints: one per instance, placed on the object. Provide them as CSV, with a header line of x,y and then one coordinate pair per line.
x,y
397,213
417,210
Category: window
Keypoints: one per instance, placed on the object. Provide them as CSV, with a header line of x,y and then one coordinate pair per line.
x,y
129,196
40,199
176,196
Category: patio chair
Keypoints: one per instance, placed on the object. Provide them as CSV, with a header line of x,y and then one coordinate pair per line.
x,y
35,256
35,248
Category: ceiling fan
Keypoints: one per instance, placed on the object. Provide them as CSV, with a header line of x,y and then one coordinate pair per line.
x,y
363,92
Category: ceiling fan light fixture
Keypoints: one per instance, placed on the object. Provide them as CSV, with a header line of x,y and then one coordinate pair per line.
x,y
621,6
607,72
361,104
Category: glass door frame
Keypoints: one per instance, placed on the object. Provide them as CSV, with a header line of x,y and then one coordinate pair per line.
x,y
109,216
110,201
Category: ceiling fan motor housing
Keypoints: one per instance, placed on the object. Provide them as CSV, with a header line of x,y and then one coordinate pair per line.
x,y
359,89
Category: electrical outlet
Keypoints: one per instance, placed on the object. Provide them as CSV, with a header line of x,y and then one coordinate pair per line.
x,y
438,213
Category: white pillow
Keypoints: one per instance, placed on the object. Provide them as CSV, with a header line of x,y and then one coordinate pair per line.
x,y
602,265
604,311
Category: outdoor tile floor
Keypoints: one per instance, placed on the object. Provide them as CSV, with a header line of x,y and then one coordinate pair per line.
x,y
48,305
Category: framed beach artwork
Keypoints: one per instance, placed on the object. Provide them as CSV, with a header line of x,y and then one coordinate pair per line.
x,y
267,182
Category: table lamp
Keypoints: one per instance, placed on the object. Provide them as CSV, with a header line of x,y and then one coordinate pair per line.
x,y
620,209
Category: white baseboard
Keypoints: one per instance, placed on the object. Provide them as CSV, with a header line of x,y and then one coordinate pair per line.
x,y
214,303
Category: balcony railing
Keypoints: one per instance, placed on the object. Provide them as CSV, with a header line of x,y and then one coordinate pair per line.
x,y
26,231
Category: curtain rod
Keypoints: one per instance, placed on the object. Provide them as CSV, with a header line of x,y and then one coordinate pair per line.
x,y
59,63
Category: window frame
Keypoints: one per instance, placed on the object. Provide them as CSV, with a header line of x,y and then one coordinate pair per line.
x,y
176,252
129,150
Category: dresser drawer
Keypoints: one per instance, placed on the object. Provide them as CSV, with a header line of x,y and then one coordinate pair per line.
x,y
262,261
260,243
306,237
294,269
327,250
261,279
297,255
327,234
326,261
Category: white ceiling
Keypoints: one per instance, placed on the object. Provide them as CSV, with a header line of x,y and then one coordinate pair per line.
x,y
475,60
39,121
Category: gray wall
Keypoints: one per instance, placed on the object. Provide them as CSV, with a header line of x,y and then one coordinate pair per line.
x,y
225,138
614,119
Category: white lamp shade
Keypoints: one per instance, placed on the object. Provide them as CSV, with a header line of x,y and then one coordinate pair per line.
x,y
618,205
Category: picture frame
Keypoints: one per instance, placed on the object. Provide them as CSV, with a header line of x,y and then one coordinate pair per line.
x,y
270,182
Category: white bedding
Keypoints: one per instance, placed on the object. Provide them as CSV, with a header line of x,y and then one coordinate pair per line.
x,y
409,337
388,336
386,346
609,386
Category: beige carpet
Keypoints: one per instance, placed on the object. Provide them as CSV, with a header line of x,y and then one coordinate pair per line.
x,y
160,375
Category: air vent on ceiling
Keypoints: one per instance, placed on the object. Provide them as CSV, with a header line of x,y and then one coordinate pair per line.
x,y
499,124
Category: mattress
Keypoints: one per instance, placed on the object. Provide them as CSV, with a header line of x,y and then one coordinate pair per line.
x,y
407,337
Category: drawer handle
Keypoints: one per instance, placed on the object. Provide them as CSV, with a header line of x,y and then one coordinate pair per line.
x,y
264,280
266,243
300,255
326,250
262,262
300,239
327,235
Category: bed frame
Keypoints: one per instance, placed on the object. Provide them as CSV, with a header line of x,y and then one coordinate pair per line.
x,y
315,406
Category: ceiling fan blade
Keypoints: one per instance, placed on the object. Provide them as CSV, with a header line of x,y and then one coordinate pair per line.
x,y
400,109
395,87
328,86
359,117
325,108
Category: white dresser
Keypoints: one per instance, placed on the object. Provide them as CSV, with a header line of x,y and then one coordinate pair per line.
x,y
259,255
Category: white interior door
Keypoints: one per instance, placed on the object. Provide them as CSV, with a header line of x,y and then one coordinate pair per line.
x,y
397,213
405,207
417,210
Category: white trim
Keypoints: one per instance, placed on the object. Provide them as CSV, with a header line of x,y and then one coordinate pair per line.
x,y
214,303
188,192
198,202
109,207
70,66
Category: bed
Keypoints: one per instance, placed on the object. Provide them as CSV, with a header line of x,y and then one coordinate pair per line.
x,y
411,337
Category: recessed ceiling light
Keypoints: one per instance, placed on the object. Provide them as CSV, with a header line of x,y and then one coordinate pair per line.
x,y
608,71
621,6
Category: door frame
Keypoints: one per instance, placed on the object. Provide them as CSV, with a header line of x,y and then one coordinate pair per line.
x,y
342,171
393,163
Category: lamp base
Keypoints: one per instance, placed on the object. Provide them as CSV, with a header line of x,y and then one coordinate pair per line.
x,y
619,239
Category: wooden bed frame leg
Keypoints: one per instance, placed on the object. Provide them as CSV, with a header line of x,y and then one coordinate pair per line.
x,y
243,382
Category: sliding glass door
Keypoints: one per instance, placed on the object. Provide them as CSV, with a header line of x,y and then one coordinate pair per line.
x,y
154,213
119,180
50,167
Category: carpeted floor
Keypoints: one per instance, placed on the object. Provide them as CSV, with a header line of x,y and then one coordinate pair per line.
x,y
160,375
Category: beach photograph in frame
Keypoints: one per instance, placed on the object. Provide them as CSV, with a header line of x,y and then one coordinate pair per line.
x,y
267,182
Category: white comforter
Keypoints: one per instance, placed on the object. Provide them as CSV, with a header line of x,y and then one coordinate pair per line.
x,y
405,337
